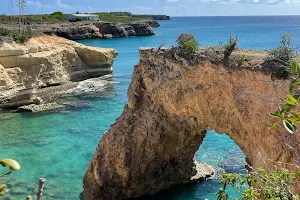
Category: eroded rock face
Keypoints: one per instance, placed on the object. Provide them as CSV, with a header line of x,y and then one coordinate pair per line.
x,y
172,102
104,30
28,71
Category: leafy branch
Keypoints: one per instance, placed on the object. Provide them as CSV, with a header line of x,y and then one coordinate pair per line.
x,y
288,114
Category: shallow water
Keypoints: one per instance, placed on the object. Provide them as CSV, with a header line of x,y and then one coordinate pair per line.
x,y
59,145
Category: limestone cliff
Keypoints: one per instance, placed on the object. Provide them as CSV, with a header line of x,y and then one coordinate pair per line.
x,y
172,102
79,30
28,72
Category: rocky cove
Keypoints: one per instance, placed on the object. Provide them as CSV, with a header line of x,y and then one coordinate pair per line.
x,y
104,30
33,73
172,101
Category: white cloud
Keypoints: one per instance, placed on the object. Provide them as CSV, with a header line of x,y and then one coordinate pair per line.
x,y
62,5
241,1
38,4
135,9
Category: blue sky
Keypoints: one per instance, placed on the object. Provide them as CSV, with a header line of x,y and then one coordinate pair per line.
x,y
169,7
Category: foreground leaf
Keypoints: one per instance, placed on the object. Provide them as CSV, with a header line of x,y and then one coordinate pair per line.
x,y
11,164
289,126
294,67
2,187
291,100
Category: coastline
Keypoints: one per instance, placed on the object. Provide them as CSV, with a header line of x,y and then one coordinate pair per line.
x,y
102,30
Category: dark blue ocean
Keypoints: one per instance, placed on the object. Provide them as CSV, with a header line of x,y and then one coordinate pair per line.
x,y
59,145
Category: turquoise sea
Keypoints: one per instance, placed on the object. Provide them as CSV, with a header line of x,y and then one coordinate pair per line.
x,y
59,145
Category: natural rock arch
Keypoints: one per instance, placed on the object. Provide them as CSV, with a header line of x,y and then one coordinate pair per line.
x,y
171,104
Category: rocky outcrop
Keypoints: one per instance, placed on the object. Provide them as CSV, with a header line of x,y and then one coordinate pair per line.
x,y
31,73
172,102
72,31
154,17
104,30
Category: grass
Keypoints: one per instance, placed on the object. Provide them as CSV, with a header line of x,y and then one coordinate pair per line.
x,y
114,17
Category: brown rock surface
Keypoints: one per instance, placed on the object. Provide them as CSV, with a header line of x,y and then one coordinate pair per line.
x,y
47,61
172,102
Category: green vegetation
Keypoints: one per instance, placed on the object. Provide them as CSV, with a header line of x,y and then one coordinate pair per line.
x,y
288,114
59,17
281,58
19,36
277,184
5,32
118,17
13,166
261,184
229,48
56,17
240,58
187,43
283,54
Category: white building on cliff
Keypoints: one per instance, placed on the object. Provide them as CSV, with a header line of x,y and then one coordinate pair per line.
x,y
83,17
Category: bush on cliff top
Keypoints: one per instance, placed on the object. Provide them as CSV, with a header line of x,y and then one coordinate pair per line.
x,y
4,32
229,48
280,59
187,43
19,36
283,54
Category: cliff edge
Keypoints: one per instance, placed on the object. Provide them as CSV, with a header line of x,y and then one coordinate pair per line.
x,y
172,102
29,72
104,30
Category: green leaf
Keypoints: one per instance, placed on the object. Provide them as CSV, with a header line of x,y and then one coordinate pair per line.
x,y
276,115
275,124
294,67
292,86
12,164
296,83
291,100
293,119
289,126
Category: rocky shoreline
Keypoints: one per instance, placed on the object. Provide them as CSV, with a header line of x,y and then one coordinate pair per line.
x,y
33,73
103,30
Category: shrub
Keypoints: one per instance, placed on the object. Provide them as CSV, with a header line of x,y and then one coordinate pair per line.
x,y
4,32
283,54
280,59
22,37
240,58
261,184
57,16
229,48
187,43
